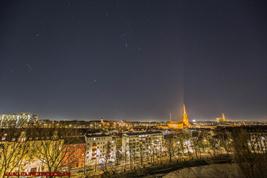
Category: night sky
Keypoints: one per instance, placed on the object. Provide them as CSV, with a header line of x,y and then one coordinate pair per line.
x,y
139,60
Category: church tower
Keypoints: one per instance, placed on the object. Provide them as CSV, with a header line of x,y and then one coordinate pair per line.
x,y
185,119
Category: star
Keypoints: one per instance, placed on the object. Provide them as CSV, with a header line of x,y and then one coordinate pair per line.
x,y
106,13
126,44
29,67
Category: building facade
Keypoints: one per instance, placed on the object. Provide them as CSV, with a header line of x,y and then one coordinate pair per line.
x,y
75,148
100,150
141,147
17,120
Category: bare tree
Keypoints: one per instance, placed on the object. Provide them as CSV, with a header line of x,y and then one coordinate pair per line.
x,y
51,153
141,152
250,153
169,141
12,154
225,141
107,154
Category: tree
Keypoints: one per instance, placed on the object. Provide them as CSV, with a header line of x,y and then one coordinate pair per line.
x,y
250,153
197,143
51,153
170,146
107,153
187,143
225,141
12,154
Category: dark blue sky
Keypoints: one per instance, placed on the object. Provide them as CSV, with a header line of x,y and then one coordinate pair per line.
x,y
133,59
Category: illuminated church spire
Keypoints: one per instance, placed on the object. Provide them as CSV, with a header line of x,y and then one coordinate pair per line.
x,y
185,119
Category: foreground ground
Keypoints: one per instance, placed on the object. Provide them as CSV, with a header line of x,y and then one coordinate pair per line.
x,y
208,171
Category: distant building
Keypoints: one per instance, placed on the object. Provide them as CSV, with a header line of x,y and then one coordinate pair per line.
x,y
180,124
221,119
17,120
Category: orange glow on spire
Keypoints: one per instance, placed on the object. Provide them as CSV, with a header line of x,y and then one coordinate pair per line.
x,y
185,119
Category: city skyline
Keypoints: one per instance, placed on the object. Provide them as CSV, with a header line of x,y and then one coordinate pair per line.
x,y
133,60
